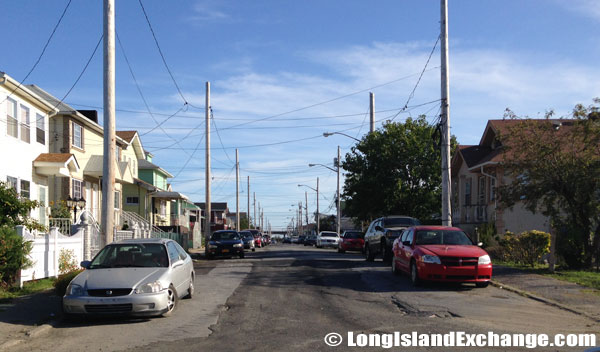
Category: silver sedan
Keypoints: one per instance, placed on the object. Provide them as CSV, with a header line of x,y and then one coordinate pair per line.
x,y
139,277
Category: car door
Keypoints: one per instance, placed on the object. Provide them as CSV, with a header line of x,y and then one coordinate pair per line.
x,y
406,249
178,274
378,233
370,233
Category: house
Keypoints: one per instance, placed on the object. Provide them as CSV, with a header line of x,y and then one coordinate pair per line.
x,y
24,141
476,173
232,219
218,215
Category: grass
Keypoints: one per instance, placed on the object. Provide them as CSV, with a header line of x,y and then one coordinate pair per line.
x,y
586,278
30,287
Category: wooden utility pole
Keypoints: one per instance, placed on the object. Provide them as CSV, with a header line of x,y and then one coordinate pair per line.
x,y
445,119
318,217
254,218
109,159
237,191
248,214
207,167
306,206
372,111
339,210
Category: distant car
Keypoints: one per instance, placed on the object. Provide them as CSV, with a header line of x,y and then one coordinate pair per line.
x,y
258,242
310,240
140,277
267,239
351,241
441,253
327,239
225,243
294,239
301,239
381,234
248,239
287,240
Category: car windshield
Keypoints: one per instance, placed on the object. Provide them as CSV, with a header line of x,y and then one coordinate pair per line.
x,y
328,234
397,222
354,235
139,255
449,237
225,236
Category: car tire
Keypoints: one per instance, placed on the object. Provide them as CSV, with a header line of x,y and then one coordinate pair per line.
x,y
369,256
385,254
482,284
172,299
242,255
414,274
253,249
341,250
191,288
210,257
395,270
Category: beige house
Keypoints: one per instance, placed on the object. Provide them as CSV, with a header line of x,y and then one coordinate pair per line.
x,y
77,133
476,172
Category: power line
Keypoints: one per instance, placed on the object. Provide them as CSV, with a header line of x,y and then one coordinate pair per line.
x,y
161,53
219,135
42,53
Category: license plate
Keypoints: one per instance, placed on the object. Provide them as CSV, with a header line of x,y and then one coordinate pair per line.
x,y
225,250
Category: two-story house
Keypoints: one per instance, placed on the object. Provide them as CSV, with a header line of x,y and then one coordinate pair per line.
x,y
24,141
476,173
217,216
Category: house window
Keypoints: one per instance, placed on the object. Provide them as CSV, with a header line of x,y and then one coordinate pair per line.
x,y
25,189
25,128
40,128
77,136
468,191
77,189
492,189
12,182
11,118
132,200
117,200
163,208
481,196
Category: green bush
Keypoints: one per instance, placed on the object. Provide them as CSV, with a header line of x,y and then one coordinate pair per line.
x,y
66,261
526,248
486,233
14,255
61,283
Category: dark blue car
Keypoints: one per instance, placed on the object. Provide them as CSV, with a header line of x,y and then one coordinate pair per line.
x,y
225,243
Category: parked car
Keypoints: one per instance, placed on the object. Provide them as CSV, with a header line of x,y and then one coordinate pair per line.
x,y
258,242
287,239
267,239
301,239
294,239
352,240
225,243
440,253
311,240
327,239
248,239
381,234
140,277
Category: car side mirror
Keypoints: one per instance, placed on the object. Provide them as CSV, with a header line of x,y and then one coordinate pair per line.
x,y
378,228
406,243
479,244
85,264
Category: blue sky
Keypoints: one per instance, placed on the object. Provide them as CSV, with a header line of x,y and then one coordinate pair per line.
x,y
288,62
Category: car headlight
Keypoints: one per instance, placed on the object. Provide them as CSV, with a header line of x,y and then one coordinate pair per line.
x,y
484,259
74,290
212,246
149,287
237,245
431,259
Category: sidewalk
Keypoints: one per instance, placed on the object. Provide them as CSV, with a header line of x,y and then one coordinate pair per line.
x,y
566,295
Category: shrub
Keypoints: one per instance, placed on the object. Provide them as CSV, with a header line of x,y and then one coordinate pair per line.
x,y
526,248
486,233
67,261
61,283
14,255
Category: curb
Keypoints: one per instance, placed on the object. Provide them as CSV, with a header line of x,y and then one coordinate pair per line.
x,y
30,334
542,300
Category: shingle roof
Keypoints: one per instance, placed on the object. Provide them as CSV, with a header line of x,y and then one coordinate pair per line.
x,y
126,135
62,107
214,206
146,165
54,157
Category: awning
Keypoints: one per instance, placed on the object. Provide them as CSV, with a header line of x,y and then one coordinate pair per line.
x,y
95,166
55,164
168,195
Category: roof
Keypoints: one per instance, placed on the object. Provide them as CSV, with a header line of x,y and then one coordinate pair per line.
x,y
126,135
214,206
61,106
169,195
146,165
54,157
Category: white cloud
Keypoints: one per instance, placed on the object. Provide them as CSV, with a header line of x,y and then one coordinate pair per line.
x,y
589,8
209,10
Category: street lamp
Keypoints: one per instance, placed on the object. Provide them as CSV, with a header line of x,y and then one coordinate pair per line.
x,y
327,134
74,204
318,218
337,163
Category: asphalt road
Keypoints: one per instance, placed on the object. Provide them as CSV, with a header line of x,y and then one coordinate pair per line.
x,y
288,297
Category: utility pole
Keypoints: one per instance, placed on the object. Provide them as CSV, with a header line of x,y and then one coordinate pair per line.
x,y
207,167
306,206
445,119
318,217
372,111
339,210
248,213
300,216
109,159
237,191
254,218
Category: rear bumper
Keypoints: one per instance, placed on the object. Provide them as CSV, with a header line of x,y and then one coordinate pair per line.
x,y
351,246
439,272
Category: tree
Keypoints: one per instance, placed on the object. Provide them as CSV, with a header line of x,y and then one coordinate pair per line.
x,y
244,222
555,169
15,210
395,170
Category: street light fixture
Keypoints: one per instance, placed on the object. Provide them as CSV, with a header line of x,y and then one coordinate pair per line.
x,y
327,134
337,163
318,218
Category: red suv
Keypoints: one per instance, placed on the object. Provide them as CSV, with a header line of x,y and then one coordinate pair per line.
x,y
352,240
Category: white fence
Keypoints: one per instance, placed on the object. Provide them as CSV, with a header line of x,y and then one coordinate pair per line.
x,y
46,251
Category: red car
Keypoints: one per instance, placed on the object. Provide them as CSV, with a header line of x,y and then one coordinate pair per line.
x,y
351,241
440,253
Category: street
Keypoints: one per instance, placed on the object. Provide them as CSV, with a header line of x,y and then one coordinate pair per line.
x,y
288,297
